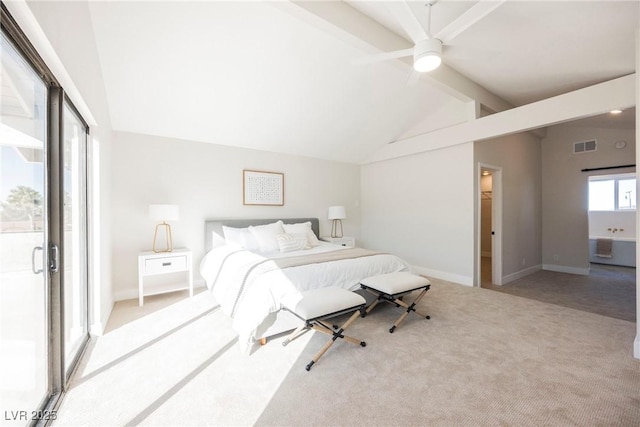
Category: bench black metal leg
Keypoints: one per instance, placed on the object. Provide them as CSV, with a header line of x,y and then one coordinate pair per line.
x,y
398,302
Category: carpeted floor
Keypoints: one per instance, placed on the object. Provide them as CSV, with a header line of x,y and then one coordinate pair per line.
x,y
484,358
608,290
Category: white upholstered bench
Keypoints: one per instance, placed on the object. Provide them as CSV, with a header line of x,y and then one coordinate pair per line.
x,y
316,305
392,287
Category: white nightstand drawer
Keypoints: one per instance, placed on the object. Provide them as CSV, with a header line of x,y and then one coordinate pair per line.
x,y
349,242
165,265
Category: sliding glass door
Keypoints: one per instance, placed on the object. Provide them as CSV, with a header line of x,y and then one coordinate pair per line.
x,y
74,241
24,321
43,234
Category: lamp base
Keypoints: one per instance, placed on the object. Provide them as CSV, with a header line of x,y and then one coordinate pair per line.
x,y
168,247
334,228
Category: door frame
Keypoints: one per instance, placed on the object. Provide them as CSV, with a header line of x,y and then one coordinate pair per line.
x,y
496,224
69,365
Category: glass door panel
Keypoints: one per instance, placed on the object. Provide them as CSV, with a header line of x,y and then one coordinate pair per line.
x,y
74,220
24,375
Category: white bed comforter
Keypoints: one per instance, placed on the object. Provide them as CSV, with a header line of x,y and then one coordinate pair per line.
x,y
250,286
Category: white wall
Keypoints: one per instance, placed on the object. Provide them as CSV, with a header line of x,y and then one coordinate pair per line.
x,y
518,156
68,47
603,224
565,228
420,207
205,180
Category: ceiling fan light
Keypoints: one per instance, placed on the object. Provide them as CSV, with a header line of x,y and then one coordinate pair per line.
x,y
427,55
426,63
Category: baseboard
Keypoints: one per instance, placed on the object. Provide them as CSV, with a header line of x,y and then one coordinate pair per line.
x,y
566,269
443,275
126,294
520,274
636,346
97,328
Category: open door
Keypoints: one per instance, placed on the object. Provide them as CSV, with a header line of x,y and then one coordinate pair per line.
x,y
489,228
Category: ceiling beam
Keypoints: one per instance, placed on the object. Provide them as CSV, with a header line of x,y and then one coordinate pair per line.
x,y
460,87
345,23
358,30
590,101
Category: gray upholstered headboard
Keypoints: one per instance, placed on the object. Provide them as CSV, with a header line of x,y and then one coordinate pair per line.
x,y
215,225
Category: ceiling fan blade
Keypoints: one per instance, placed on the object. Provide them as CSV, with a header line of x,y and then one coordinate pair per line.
x,y
385,56
402,12
467,19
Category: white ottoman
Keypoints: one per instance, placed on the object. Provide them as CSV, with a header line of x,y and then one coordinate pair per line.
x,y
392,287
318,304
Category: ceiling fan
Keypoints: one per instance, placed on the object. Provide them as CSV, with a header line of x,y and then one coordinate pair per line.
x,y
427,49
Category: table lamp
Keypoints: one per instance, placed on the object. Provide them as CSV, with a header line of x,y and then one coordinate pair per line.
x,y
336,214
163,213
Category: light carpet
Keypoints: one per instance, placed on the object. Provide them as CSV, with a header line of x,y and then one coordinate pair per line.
x,y
484,358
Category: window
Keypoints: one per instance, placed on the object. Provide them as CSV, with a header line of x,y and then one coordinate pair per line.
x,y
612,192
627,193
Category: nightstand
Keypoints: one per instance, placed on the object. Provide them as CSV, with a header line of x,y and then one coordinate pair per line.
x,y
154,264
349,242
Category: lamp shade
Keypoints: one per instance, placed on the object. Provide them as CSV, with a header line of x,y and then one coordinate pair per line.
x,y
164,212
337,212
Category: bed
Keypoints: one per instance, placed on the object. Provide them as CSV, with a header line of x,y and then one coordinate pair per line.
x,y
250,266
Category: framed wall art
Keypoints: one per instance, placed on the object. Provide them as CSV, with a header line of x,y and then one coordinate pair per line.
x,y
262,188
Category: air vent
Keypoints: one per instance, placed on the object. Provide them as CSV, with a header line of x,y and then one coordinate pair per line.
x,y
584,146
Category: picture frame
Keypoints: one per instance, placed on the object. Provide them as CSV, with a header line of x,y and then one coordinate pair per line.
x,y
262,188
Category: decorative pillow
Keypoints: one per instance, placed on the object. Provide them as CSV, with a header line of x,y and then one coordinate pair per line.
x,y
288,242
265,235
241,237
302,236
302,228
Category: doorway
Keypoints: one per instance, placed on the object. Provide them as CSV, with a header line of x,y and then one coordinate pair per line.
x,y
489,251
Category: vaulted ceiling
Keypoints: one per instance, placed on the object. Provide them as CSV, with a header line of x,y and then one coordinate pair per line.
x,y
286,76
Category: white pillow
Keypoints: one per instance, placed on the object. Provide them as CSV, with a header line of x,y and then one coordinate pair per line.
x,y
266,236
241,237
217,240
302,228
288,242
